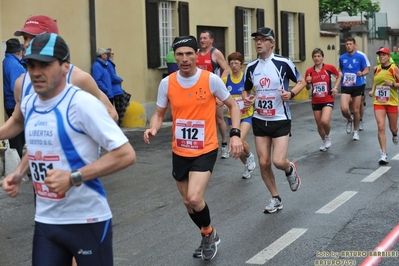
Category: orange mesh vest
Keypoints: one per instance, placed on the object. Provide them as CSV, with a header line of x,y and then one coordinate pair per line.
x,y
193,111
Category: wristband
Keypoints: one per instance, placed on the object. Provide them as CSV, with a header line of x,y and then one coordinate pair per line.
x,y
235,132
292,94
393,84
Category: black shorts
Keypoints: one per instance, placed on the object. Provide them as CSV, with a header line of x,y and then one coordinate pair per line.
x,y
273,129
182,166
320,106
353,91
363,88
90,244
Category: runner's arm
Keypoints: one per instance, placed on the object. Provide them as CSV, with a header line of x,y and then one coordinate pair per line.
x,y
110,162
155,124
299,86
84,81
15,124
222,63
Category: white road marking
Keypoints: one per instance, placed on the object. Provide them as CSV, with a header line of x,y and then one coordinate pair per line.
x,y
376,174
277,246
338,201
396,157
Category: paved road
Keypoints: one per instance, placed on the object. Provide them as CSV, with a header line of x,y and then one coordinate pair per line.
x,y
334,211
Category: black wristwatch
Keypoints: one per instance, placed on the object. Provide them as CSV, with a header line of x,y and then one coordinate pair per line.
x,y
235,132
292,94
76,178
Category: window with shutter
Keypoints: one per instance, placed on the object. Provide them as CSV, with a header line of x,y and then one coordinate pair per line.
x,y
247,35
152,33
284,34
184,19
239,20
302,37
166,37
260,17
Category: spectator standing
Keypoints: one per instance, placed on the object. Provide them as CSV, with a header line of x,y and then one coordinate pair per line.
x,y
100,73
117,90
171,62
12,70
395,55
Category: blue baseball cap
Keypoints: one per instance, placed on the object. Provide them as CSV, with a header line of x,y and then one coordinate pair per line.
x,y
48,47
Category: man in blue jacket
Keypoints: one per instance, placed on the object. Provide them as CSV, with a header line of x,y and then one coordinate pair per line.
x,y
12,69
100,73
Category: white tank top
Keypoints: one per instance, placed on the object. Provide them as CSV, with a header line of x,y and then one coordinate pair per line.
x,y
56,140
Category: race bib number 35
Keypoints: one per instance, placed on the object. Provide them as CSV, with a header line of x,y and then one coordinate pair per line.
x,y
190,134
39,165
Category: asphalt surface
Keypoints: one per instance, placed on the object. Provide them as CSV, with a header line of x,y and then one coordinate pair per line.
x,y
151,226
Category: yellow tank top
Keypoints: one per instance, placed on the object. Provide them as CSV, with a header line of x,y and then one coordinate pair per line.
x,y
383,94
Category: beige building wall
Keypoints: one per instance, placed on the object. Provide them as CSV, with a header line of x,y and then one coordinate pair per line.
x,y
121,26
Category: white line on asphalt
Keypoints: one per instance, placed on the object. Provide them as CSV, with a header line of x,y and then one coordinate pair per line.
x,y
338,201
376,174
277,246
396,157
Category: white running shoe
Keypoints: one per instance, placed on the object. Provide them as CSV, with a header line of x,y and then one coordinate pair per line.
x,y
225,152
273,206
246,174
361,127
384,158
349,125
293,179
395,139
356,135
323,146
251,162
327,141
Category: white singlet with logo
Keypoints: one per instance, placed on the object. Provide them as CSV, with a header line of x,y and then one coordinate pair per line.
x,y
270,77
61,133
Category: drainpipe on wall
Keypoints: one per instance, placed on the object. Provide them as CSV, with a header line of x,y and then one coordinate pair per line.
x,y
276,27
92,26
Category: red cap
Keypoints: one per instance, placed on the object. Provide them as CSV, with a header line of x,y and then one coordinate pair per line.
x,y
37,25
384,50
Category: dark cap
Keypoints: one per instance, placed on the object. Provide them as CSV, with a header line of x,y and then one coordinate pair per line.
x,y
267,32
13,46
36,25
47,47
181,41
384,50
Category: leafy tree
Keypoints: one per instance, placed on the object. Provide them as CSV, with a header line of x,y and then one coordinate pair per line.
x,y
328,8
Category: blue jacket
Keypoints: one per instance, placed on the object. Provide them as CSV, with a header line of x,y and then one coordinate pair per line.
x,y
12,69
116,80
100,74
